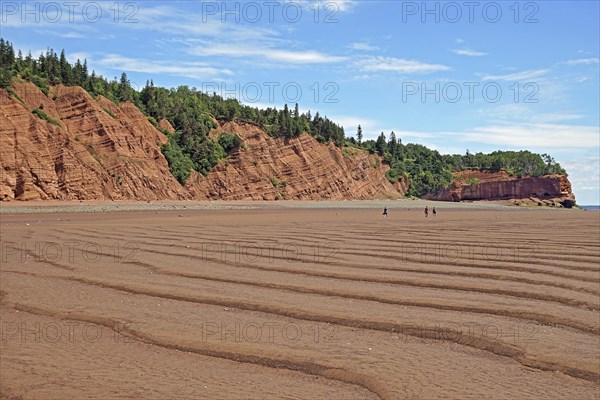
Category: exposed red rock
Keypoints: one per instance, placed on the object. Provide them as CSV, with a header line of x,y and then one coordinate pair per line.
x,y
165,125
99,151
104,151
300,168
551,190
107,152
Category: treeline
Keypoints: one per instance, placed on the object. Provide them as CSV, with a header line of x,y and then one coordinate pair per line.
x,y
429,171
52,69
516,163
192,113
177,105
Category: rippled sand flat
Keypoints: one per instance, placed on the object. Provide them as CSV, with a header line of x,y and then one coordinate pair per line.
x,y
300,302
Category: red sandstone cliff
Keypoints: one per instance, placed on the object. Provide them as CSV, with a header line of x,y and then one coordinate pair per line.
x,y
300,168
104,151
551,190
98,151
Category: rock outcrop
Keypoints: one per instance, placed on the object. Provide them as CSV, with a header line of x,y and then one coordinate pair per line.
x,y
90,149
165,125
472,185
298,169
83,148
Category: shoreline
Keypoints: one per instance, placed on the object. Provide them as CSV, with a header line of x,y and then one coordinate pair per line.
x,y
102,206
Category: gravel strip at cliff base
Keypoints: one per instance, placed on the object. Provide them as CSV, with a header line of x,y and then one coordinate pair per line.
x,y
116,206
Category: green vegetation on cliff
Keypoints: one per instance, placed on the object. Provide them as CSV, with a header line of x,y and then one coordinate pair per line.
x,y
192,113
429,171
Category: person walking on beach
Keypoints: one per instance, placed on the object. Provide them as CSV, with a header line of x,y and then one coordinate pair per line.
x,y
426,211
434,212
385,211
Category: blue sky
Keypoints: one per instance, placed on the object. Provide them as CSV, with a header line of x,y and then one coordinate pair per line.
x,y
459,75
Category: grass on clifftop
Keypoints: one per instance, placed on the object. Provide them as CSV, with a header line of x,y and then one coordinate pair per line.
x,y
42,115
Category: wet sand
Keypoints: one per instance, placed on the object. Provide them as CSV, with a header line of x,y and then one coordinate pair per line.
x,y
299,301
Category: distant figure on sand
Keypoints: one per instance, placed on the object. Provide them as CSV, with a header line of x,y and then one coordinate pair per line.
x,y
426,211
434,212
385,211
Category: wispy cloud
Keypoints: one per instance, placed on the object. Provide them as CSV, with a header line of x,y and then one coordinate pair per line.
x,y
582,61
329,5
196,70
469,52
551,136
351,122
363,46
584,174
398,65
79,55
253,43
262,52
581,79
72,35
518,76
527,113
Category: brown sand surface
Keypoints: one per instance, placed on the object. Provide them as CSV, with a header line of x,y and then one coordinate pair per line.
x,y
299,301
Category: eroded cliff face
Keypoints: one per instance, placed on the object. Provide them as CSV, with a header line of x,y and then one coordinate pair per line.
x,y
97,151
107,152
294,169
549,190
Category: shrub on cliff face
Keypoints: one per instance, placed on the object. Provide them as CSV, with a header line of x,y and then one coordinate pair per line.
x,y
190,147
180,164
42,115
229,142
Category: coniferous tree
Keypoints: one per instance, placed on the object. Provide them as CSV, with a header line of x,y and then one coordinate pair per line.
x,y
65,71
393,144
7,59
380,144
125,90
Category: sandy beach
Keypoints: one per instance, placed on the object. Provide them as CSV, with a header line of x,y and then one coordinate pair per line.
x,y
298,300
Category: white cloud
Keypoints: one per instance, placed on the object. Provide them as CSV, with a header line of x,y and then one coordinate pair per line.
x,y
81,55
535,135
72,35
410,134
399,65
343,5
584,175
522,112
328,6
186,23
582,61
196,70
350,124
363,46
580,79
241,50
469,52
517,76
